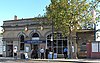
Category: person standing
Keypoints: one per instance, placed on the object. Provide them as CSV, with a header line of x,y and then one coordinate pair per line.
x,y
55,54
15,53
46,53
32,53
35,54
65,52
42,53
11,52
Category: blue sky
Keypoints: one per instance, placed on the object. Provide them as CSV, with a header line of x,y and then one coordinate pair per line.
x,y
21,8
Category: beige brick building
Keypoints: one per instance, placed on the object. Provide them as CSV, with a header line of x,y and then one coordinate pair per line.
x,y
25,34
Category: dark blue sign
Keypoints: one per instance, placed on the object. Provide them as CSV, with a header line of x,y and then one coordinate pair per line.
x,y
34,41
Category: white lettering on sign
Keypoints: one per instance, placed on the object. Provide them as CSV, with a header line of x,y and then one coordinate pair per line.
x,y
98,36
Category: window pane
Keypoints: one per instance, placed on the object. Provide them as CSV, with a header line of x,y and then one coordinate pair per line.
x,y
59,50
55,43
49,36
64,42
59,42
48,43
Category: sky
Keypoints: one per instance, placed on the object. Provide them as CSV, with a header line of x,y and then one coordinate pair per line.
x,y
21,8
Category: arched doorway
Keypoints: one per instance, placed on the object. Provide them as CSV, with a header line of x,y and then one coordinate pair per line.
x,y
59,42
35,37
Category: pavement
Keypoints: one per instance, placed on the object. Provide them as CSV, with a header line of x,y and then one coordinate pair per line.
x,y
54,60
71,60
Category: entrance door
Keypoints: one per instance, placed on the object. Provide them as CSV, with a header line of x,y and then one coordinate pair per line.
x,y
9,52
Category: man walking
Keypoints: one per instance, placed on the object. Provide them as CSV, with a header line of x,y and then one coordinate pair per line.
x,y
15,53
65,52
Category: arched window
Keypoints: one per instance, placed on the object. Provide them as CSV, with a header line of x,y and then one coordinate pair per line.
x,y
22,42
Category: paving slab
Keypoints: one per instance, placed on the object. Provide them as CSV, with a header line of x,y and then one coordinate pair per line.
x,y
2,59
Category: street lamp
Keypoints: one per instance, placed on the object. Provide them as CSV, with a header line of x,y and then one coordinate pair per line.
x,y
52,37
52,34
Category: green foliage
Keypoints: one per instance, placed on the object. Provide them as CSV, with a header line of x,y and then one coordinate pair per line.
x,y
67,15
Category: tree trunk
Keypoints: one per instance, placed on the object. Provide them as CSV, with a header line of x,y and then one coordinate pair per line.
x,y
70,45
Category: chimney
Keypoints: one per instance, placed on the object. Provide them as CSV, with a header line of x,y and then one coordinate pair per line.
x,y
15,17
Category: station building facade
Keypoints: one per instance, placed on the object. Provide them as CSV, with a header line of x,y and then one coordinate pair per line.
x,y
25,34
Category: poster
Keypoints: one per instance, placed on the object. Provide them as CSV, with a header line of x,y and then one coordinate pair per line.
x,y
95,47
27,49
4,48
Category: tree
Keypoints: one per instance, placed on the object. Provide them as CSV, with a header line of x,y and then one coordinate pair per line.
x,y
68,15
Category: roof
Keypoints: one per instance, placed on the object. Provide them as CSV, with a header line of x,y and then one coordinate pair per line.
x,y
26,19
85,30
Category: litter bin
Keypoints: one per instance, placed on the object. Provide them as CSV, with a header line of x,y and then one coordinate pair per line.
x,y
22,56
50,55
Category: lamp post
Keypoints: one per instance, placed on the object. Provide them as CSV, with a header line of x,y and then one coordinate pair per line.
x,y
52,37
52,34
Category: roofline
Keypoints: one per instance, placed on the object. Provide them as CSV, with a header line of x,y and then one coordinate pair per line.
x,y
26,19
85,30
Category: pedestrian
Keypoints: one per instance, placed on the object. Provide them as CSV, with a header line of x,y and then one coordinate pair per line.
x,y
47,52
35,54
42,53
65,52
11,52
50,56
32,53
55,54
15,53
